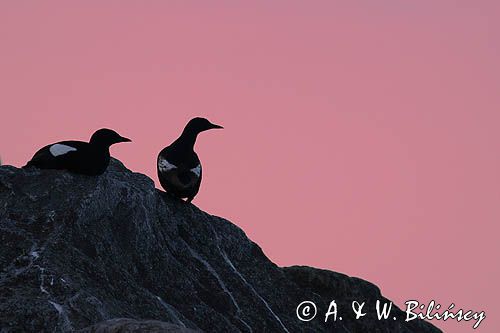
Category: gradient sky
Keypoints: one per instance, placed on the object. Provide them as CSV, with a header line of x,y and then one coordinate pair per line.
x,y
360,136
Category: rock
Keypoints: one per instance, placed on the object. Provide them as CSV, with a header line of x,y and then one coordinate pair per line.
x,y
114,254
126,325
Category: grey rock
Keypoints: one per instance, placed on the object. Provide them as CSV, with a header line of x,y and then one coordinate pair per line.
x,y
114,254
127,325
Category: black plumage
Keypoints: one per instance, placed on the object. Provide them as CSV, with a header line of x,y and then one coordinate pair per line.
x,y
88,158
178,166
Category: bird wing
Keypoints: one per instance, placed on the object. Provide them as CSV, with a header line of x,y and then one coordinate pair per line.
x,y
59,150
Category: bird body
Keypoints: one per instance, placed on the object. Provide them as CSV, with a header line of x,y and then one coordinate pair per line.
x,y
88,158
179,168
179,174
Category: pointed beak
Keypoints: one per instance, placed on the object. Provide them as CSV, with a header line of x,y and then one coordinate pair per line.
x,y
216,126
122,139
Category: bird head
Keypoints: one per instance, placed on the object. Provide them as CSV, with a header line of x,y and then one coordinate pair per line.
x,y
107,137
197,125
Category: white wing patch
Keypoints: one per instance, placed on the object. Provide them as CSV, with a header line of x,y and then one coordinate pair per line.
x,y
197,170
60,149
164,165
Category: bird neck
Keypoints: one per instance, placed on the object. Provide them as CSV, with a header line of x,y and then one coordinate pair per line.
x,y
102,148
187,139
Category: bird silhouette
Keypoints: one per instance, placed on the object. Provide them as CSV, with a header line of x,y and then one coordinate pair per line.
x,y
88,158
179,168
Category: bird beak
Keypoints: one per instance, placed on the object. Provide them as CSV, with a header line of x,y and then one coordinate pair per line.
x,y
216,126
122,139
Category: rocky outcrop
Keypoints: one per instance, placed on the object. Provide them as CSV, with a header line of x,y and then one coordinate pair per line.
x,y
114,254
119,325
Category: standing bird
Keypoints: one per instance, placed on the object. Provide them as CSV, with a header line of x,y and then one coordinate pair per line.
x,y
90,158
178,166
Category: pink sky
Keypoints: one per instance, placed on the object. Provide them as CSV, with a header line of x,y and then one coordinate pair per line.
x,y
360,136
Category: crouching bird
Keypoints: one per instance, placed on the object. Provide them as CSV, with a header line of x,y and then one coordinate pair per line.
x,y
178,166
88,158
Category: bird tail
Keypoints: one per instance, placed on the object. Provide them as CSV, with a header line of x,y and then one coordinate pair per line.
x,y
29,164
